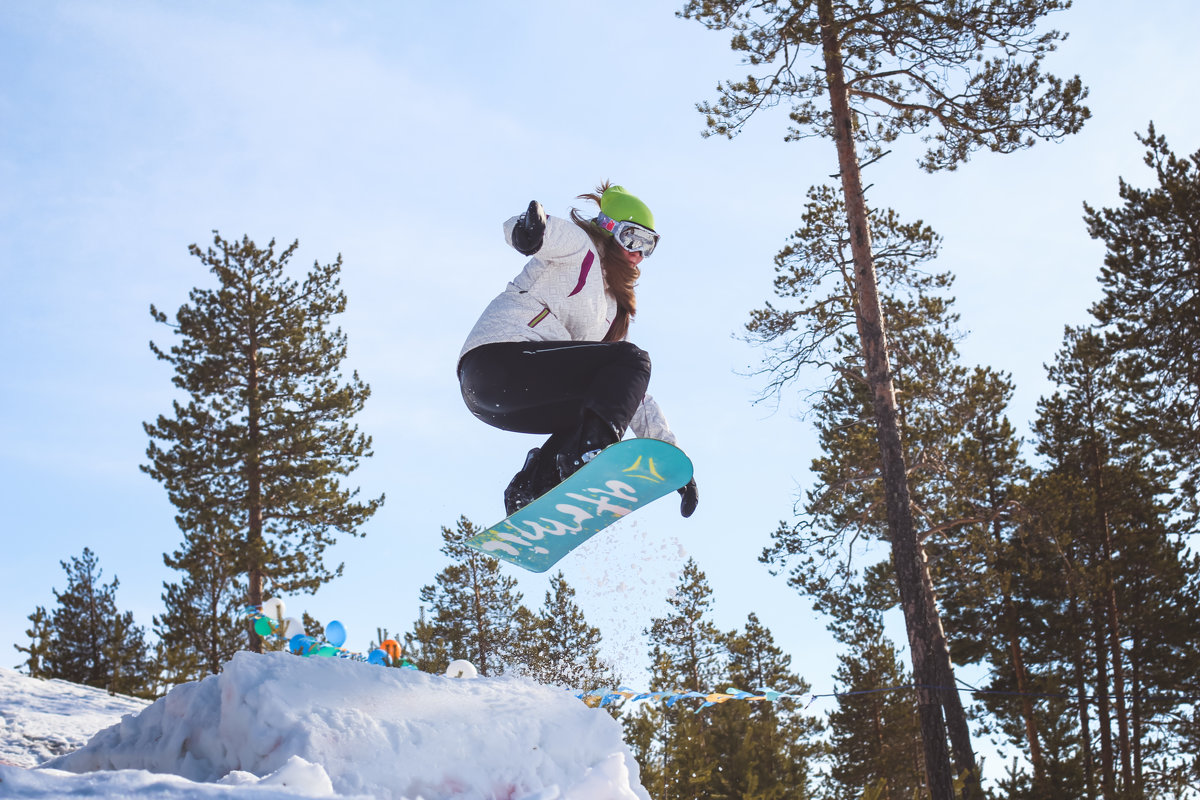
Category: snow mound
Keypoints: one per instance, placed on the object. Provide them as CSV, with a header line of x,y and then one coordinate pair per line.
x,y
324,726
32,713
295,780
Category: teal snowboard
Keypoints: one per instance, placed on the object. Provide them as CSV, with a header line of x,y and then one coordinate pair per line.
x,y
621,479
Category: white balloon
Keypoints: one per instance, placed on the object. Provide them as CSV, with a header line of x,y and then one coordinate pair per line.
x,y
460,668
273,608
291,627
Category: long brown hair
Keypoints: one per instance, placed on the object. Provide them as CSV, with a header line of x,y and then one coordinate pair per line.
x,y
619,274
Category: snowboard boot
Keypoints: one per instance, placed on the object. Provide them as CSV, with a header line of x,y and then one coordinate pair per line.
x,y
520,491
538,476
582,446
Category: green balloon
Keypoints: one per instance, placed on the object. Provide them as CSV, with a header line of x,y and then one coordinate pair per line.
x,y
262,626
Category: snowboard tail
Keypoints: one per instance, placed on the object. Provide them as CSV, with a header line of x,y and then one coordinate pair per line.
x,y
619,480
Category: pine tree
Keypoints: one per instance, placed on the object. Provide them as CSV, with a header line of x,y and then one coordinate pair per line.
x,y
562,648
1073,432
976,555
673,744
952,420
264,438
888,69
1159,592
763,750
737,749
200,628
1149,315
875,742
40,634
86,639
422,646
1151,303
475,612
1124,577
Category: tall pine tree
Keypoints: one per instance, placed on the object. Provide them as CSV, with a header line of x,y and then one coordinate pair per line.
x,y
1117,601
951,419
259,447
1149,313
971,71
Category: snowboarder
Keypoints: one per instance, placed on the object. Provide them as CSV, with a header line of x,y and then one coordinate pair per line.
x,y
550,356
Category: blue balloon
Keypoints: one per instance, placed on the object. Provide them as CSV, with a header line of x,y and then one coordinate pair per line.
x,y
335,633
377,657
299,643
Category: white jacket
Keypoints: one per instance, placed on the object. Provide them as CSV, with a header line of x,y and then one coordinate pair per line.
x,y
560,296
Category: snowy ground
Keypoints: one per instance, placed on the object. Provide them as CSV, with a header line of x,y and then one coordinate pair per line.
x,y
279,726
43,719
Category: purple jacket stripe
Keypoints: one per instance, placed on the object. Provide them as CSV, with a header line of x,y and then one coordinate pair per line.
x,y
583,273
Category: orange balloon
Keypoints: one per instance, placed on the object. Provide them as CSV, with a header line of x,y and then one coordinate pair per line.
x,y
392,648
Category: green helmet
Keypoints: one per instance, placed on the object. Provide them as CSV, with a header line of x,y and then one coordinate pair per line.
x,y
620,206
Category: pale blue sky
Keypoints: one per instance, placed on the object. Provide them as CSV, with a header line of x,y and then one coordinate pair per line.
x,y
401,135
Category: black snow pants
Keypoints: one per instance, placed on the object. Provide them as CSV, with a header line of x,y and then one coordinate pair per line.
x,y
549,387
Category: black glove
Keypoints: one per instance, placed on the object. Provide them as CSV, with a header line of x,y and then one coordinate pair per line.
x,y
691,496
530,229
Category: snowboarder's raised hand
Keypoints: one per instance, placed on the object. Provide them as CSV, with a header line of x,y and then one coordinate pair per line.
x,y
530,229
691,497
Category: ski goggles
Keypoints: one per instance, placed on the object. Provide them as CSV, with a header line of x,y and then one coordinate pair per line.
x,y
634,238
